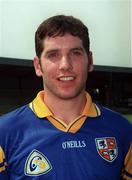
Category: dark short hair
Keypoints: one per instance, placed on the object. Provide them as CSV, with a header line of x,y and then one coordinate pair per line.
x,y
58,26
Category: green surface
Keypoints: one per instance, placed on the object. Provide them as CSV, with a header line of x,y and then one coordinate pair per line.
x,y
129,117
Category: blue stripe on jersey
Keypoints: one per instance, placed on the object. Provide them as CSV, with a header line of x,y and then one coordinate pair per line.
x,y
2,164
128,174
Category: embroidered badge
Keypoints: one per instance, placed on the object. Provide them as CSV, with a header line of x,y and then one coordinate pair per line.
x,y
37,164
107,148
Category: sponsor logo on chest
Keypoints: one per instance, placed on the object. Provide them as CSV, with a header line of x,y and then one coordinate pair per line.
x,y
73,144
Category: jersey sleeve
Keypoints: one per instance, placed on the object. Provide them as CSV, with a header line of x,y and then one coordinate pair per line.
x,y
3,165
127,170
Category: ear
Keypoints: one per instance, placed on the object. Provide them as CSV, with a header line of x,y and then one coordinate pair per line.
x,y
90,62
37,66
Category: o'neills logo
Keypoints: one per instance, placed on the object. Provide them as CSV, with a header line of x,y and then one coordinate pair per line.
x,y
73,144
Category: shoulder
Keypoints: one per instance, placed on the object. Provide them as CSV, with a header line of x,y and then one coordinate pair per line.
x,y
116,121
113,116
14,118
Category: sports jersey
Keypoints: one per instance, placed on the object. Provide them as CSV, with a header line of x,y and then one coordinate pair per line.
x,y
34,144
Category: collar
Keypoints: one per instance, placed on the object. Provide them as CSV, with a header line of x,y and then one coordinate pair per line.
x,y
41,109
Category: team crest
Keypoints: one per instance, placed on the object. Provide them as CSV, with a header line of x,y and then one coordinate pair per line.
x,y
107,148
37,164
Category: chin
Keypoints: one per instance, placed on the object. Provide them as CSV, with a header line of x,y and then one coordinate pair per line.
x,y
68,95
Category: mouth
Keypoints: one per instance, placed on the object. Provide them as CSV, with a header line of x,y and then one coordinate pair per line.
x,y
66,78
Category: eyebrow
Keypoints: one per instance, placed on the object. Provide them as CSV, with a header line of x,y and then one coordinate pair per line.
x,y
77,48
72,49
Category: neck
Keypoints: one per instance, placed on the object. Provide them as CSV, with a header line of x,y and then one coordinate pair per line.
x,y
66,109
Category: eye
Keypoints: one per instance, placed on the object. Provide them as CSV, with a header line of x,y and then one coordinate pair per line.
x,y
52,55
77,52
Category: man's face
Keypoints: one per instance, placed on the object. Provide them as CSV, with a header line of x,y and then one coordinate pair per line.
x,y
64,66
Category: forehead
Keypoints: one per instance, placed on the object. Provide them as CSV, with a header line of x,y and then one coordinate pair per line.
x,y
62,42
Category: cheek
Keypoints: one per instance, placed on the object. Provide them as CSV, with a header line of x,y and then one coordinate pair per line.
x,y
49,70
82,68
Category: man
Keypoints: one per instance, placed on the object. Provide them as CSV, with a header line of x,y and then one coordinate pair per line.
x,y
62,134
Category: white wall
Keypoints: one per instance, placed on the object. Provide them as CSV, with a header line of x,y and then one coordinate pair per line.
x,y
131,33
108,22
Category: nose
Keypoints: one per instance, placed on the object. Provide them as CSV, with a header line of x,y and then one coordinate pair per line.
x,y
65,63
